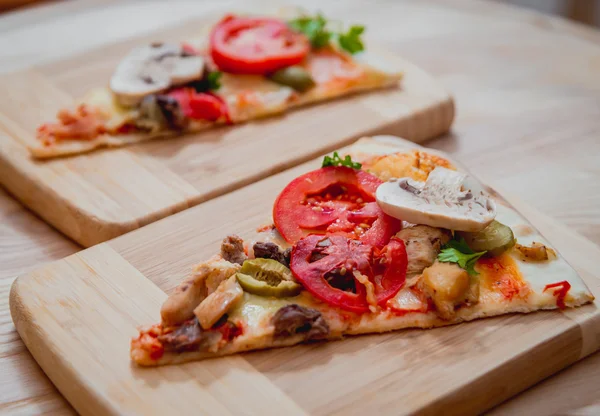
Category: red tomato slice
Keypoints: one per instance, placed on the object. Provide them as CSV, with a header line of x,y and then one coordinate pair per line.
x,y
249,45
394,261
334,200
325,266
199,105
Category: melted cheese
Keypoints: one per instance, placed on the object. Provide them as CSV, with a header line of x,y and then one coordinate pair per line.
x,y
256,311
330,68
335,73
408,301
114,114
507,283
252,96
539,274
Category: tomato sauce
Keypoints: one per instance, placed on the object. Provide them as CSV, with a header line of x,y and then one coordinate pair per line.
x,y
230,330
501,274
85,123
560,291
147,340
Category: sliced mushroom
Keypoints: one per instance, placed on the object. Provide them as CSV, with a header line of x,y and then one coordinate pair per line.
x,y
153,68
448,199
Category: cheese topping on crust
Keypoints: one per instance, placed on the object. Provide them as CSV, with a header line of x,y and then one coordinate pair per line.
x,y
504,284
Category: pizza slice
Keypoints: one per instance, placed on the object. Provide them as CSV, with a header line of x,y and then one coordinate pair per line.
x,y
249,67
390,236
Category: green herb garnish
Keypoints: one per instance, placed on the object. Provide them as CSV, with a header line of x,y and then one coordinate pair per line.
x,y
351,41
211,82
457,251
213,79
315,29
336,160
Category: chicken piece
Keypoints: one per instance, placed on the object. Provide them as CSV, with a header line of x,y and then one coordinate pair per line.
x,y
536,252
216,270
232,249
472,295
423,244
179,307
447,285
219,302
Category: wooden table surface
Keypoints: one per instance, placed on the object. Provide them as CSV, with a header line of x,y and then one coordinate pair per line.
x,y
527,91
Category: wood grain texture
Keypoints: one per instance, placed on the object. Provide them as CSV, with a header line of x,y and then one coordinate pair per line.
x,y
25,243
97,196
547,125
76,316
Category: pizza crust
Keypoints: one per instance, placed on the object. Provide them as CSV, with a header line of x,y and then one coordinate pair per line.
x,y
414,320
255,311
72,147
274,99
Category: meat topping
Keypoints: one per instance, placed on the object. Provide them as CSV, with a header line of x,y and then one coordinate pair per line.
x,y
272,251
160,112
188,337
207,276
232,249
295,319
219,302
84,123
423,244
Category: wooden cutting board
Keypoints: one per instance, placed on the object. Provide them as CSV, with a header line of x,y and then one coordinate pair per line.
x,y
77,315
94,197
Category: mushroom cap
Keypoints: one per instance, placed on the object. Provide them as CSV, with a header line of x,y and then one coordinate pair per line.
x,y
448,199
153,68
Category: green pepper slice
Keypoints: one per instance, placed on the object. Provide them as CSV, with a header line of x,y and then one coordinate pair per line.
x,y
496,238
295,77
267,277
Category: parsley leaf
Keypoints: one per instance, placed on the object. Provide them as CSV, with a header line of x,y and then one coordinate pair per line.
x,y
457,251
460,245
315,29
351,41
213,79
336,160
210,82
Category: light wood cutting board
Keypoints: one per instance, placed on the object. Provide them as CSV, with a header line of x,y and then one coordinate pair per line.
x,y
94,197
77,315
